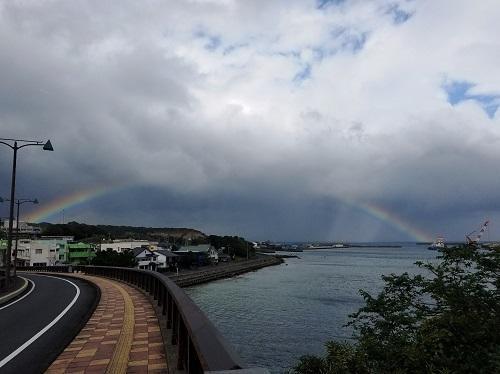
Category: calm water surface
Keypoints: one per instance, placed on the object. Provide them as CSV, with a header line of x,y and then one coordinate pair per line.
x,y
274,315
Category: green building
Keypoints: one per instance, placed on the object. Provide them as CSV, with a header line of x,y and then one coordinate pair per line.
x,y
77,253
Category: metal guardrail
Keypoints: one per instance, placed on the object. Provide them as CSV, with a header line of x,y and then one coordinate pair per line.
x,y
200,346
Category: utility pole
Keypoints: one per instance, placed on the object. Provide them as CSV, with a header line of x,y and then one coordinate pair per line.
x,y
47,146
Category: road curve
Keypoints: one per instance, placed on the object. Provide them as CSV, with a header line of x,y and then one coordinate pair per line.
x,y
38,325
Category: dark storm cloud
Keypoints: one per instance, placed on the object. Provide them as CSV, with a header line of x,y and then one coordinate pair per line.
x,y
131,96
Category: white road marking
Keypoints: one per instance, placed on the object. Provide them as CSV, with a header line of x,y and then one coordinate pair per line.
x,y
15,301
46,328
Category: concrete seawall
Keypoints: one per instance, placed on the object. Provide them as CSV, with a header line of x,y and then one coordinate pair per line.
x,y
224,271
19,285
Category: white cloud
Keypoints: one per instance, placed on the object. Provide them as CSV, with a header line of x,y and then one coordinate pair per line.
x,y
137,84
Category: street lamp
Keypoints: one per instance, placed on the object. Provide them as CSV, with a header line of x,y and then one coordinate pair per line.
x,y
16,144
18,202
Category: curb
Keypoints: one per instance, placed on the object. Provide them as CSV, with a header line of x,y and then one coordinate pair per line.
x,y
15,293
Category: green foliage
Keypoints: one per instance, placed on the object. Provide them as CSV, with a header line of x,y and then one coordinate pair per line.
x,y
78,230
233,244
446,321
113,258
94,233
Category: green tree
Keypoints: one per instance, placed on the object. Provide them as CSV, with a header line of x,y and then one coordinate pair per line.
x,y
444,321
112,258
234,244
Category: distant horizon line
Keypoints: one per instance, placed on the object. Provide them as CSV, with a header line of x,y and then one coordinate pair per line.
x,y
285,241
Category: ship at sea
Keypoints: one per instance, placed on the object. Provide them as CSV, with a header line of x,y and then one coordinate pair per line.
x,y
438,244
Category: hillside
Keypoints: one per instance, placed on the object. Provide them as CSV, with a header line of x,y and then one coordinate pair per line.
x,y
97,232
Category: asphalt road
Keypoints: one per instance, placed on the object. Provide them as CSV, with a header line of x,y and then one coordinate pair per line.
x,y
37,326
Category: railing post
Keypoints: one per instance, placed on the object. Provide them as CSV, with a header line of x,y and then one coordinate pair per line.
x,y
182,345
160,294
175,323
192,359
169,310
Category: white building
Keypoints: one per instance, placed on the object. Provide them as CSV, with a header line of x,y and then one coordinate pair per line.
x,y
165,259
123,245
40,252
153,260
25,228
146,259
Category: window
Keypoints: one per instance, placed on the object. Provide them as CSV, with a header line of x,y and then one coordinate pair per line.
x,y
52,250
38,251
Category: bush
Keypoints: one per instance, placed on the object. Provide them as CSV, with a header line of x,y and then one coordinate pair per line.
x,y
112,258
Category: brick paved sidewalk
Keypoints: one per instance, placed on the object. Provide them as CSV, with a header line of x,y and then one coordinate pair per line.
x,y
122,336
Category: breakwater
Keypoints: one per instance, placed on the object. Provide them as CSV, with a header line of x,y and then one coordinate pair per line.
x,y
223,271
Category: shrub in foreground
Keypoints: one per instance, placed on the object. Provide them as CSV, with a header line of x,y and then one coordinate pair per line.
x,y
446,321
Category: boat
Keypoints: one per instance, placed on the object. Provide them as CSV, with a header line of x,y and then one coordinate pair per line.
x,y
438,244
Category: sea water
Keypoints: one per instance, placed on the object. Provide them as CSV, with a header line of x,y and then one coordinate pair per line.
x,y
273,316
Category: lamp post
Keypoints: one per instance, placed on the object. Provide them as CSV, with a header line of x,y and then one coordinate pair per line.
x,y
15,145
18,202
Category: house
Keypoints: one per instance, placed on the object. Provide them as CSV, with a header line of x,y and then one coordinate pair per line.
x,y
42,252
166,259
45,251
23,252
146,259
197,254
123,245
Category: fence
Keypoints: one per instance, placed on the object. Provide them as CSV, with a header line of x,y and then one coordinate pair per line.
x,y
200,347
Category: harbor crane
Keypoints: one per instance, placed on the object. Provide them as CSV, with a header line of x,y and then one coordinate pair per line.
x,y
474,240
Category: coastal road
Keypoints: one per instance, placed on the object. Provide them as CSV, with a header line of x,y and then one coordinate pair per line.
x,y
38,325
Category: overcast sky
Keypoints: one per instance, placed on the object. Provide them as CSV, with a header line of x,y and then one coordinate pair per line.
x,y
282,120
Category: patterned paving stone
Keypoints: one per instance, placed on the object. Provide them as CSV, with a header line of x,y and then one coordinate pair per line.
x,y
122,336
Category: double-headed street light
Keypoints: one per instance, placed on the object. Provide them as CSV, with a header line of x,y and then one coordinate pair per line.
x,y
15,145
18,202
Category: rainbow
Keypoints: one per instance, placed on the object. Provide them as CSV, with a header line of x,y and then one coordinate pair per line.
x,y
48,210
392,219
